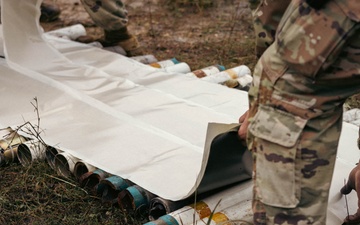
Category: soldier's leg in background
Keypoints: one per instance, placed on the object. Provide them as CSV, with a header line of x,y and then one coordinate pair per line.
x,y
112,17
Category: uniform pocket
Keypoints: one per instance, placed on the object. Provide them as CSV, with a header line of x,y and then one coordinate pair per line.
x,y
276,136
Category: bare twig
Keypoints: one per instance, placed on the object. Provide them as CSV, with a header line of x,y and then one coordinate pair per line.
x,y
66,182
36,108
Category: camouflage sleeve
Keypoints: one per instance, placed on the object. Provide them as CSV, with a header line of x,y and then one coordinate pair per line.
x,y
309,41
266,17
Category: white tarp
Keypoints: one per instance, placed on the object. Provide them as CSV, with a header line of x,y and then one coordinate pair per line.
x,y
122,116
119,115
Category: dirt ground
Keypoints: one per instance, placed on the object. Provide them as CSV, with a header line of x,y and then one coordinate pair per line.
x,y
197,33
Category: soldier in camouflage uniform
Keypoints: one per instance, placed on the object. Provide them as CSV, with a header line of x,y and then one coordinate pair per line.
x,y
294,122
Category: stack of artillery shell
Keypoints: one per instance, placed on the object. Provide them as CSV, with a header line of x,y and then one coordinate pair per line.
x,y
81,168
207,71
9,142
229,74
64,164
31,151
91,180
231,204
145,59
164,63
135,200
111,187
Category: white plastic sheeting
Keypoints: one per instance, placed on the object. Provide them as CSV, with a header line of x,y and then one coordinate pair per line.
x,y
113,112
124,117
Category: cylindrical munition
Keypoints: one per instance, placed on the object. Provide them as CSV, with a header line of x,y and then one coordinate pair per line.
x,y
9,142
81,168
92,179
178,68
10,138
50,153
207,71
232,73
160,207
64,164
135,199
111,188
70,32
145,59
164,63
31,151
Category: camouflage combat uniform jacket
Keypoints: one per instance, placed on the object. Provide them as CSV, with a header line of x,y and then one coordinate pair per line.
x,y
296,102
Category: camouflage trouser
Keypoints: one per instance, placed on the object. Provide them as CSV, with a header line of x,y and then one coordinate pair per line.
x,y
300,84
108,14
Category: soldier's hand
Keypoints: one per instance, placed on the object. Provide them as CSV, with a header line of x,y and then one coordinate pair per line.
x,y
243,120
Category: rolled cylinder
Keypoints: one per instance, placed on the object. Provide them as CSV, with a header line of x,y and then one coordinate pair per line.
x,y
145,59
9,143
81,167
10,155
232,73
64,164
31,151
111,187
50,153
92,179
245,81
70,32
135,199
178,68
207,71
242,83
160,207
164,63
10,138
165,220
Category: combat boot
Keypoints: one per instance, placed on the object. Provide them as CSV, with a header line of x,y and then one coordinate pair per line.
x,y
124,39
49,12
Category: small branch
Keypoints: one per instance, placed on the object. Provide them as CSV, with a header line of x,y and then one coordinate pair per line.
x,y
36,108
66,182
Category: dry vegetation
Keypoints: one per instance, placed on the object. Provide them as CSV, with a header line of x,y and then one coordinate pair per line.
x,y
200,33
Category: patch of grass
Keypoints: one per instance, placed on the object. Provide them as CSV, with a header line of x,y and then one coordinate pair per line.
x,y
31,195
